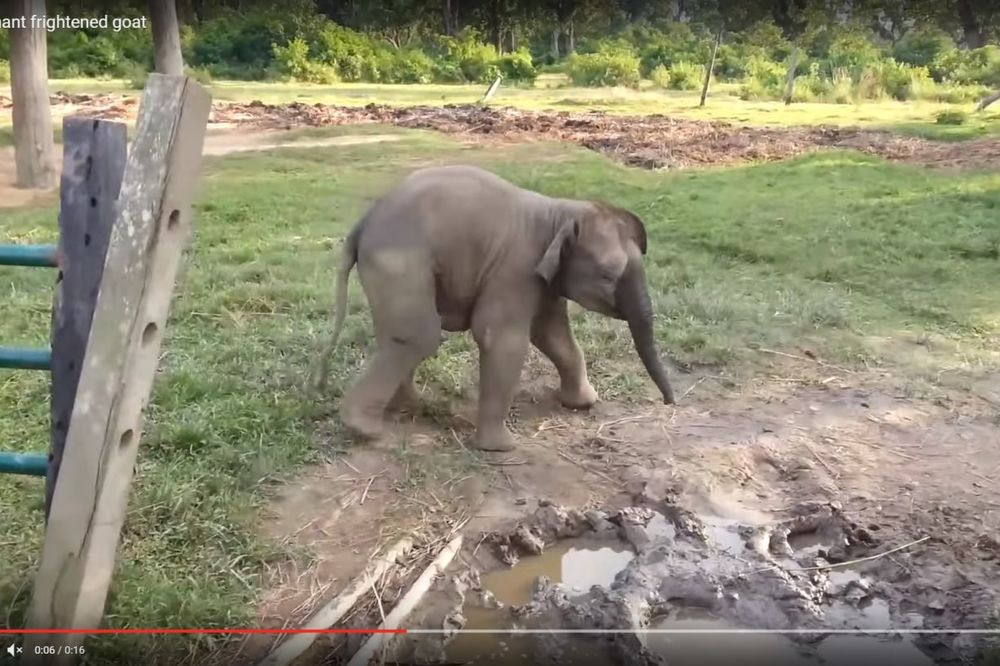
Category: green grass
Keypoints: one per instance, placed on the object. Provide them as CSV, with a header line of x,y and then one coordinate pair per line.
x,y
551,92
833,250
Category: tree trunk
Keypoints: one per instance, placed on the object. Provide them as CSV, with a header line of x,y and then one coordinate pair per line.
x,y
34,146
793,62
571,46
972,29
166,37
555,43
986,101
449,29
711,66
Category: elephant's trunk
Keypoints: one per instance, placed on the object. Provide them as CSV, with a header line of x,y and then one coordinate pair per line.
x,y
632,301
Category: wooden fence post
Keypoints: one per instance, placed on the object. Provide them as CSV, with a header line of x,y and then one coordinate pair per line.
x,y
93,164
144,253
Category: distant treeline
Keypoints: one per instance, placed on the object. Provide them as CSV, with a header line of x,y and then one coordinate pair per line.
x,y
910,50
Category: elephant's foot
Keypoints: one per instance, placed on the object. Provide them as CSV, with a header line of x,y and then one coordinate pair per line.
x,y
362,423
405,398
582,396
494,439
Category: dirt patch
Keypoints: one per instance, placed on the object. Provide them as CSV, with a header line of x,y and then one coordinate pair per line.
x,y
654,142
784,475
219,141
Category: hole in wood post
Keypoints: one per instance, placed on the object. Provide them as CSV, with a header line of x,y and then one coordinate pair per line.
x,y
72,366
97,124
86,239
93,202
148,333
175,217
59,277
60,425
126,438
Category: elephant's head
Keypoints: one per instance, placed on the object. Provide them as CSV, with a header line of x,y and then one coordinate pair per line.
x,y
595,259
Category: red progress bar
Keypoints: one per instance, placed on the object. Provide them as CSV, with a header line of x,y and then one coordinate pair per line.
x,y
200,631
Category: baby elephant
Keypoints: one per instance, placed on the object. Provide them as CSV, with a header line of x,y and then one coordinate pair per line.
x,y
459,248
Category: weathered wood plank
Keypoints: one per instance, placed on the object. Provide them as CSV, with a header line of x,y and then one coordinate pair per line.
x,y
150,232
94,154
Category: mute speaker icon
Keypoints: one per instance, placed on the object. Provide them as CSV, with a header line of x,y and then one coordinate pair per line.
x,y
10,650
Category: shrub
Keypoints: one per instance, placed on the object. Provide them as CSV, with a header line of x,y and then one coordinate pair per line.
x,y
851,50
236,42
841,87
602,69
517,66
199,74
4,71
293,58
686,76
412,66
923,46
951,117
660,76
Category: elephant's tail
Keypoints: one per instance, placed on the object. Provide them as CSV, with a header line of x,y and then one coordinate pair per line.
x,y
348,258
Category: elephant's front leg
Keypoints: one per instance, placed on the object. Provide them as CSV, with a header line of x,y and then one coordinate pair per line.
x,y
551,333
502,335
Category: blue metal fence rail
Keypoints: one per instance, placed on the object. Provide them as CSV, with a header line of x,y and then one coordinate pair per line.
x,y
18,358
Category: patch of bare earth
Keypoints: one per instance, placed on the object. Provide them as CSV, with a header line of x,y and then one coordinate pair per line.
x,y
653,141
901,469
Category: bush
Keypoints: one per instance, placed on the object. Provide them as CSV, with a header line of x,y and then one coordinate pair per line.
x,y
951,117
686,76
4,71
660,76
922,47
411,66
602,69
851,50
517,66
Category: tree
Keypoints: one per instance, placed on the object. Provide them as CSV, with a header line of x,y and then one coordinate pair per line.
x,y
34,146
166,37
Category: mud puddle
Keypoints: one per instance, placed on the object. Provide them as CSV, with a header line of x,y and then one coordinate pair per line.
x,y
576,564
661,584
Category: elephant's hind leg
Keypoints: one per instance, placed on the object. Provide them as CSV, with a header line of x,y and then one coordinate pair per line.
x,y
407,330
552,335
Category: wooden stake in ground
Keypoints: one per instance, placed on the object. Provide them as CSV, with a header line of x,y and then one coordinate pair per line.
x,y
34,146
408,602
986,101
166,37
711,66
793,63
91,498
94,153
492,89
331,613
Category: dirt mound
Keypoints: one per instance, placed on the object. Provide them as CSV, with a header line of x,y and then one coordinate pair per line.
x,y
651,142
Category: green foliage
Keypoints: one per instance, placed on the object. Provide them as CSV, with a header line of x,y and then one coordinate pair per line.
x,y
951,117
603,69
517,66
686,76
660,76
922,47
4,71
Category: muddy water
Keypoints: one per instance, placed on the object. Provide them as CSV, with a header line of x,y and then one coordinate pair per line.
x,y
575,564
683,649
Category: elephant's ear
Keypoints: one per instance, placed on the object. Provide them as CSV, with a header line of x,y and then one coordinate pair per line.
x,y
634,226
566,235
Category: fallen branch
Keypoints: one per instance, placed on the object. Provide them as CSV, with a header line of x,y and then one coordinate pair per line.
x,y
586,468
408,602
332,612
849,563
986,101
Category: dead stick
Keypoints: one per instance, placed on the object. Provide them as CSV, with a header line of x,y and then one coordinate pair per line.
x,y
408,602
837,565
820,459
805,358
585,468
332,612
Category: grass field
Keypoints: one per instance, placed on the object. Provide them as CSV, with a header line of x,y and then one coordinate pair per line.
x,y
552,92
856,259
